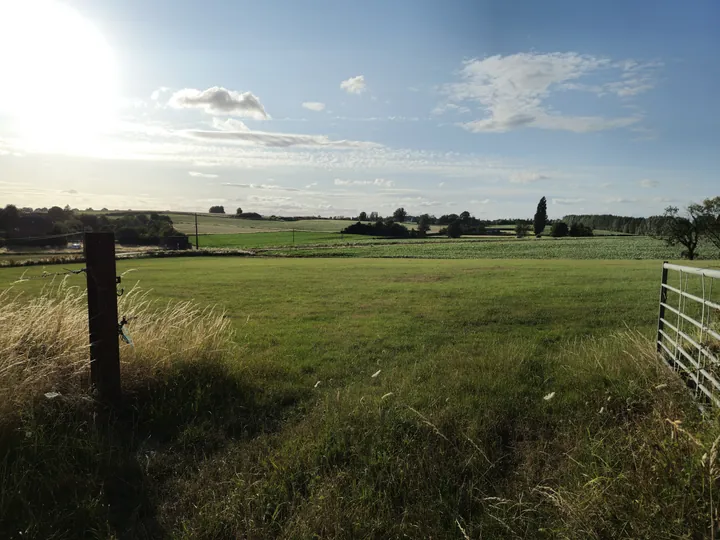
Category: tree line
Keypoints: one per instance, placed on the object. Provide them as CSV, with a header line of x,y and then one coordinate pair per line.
x,y
689,228
55,226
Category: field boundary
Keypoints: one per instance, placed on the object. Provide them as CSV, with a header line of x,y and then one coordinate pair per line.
x,y
691,344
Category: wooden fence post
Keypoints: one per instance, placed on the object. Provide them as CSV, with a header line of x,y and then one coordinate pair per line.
x,y
663,301
103,315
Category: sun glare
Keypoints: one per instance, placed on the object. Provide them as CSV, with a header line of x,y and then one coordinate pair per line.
x,y
57,74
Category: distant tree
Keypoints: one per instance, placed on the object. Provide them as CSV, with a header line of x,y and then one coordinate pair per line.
x,y
89,209
374,216
9,217
238,211
559,229
217,209
56,213
675,229
465,216
423,224
363,216
578,229
711,215
399,215
541,218
522,229
454,229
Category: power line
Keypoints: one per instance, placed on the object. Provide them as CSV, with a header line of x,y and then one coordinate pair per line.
x,y
12,238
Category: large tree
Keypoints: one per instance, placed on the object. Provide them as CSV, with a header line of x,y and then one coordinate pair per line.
x,y
521,229
541,218
399,215
363,216
217,209
683,230
711,213
423,225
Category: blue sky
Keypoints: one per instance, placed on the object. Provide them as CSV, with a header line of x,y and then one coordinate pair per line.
x,y
330,108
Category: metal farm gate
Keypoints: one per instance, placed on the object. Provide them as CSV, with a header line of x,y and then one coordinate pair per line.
x,y
688,336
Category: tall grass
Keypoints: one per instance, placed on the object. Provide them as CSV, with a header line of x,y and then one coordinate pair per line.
x,y
44,344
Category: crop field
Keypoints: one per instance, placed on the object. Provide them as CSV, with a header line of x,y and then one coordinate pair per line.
x,y
631,247
373,398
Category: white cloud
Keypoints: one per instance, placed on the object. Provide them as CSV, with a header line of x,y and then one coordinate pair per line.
x,y
218,100
231,124
311,185
647,183
482,201
441,184
197,174
377,182
314,106
157,94
260,186
526,177
354,85
277,140
511,91
568,201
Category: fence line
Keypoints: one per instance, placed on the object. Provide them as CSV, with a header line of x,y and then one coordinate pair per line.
x,y
690,344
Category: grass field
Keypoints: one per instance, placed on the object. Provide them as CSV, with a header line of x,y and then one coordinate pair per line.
x,y
377,398
219,224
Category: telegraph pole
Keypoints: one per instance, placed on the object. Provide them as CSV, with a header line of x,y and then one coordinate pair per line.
x,y
197,243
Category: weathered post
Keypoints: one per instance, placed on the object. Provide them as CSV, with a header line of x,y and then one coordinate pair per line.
x,y
103,315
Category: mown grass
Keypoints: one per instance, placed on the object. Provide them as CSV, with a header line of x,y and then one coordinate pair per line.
x,y
369,399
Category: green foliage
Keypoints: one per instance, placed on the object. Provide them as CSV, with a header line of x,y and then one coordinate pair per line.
x,y
379,228
423,224
399,215
559,229
578,230
541,218
217,210
522,229
363,216
684,231
238,211
454,229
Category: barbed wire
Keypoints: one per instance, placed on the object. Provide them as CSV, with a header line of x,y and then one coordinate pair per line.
x,y
46,275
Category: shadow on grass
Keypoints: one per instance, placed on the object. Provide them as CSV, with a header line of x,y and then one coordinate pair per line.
x,y
71,468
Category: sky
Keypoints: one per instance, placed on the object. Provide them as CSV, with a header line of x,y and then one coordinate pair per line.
x,y
318,107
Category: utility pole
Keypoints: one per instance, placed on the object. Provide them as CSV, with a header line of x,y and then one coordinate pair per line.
x,y
293,236
103,315
197,243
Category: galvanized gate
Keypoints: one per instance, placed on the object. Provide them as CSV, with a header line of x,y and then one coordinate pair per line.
x,y
688,336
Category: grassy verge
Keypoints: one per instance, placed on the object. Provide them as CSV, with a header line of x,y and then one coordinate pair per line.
x,y
355,399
